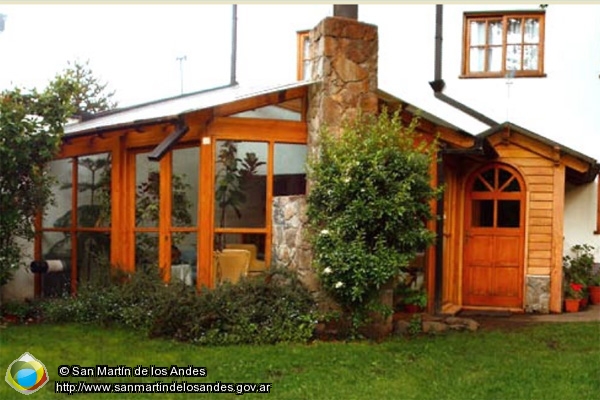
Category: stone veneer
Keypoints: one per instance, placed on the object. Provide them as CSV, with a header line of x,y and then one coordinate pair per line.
x,y
537,297
290,248
343,53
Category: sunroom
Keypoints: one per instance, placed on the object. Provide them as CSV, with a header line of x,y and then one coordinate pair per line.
x,y
166,183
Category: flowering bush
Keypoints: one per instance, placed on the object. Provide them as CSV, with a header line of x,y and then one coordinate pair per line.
x,y
368,205
574,291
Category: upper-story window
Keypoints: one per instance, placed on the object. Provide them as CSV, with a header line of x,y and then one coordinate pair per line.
x,y
496,44
303,56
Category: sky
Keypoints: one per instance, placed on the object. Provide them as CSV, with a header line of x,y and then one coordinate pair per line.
x,y
133,47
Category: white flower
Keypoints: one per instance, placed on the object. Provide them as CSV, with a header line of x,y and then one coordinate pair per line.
x,y
339,284
325,232
327,271
346,180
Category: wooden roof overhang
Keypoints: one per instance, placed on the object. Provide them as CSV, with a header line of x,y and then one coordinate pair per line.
x,y
173,121
580,169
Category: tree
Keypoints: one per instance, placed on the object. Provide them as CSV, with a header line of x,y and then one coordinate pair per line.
x,y
31,129
368,207
88,94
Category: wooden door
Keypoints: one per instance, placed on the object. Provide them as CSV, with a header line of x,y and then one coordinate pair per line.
x,y
494,238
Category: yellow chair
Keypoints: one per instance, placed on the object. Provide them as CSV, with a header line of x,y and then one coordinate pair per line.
x,y
256,266
231,264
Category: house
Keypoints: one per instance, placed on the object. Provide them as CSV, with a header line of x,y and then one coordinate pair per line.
x,y
149,184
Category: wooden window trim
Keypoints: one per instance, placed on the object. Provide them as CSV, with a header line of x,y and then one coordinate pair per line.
x,y
503,16
301,36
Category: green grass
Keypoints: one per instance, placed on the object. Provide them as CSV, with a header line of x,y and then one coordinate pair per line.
x,y
551,361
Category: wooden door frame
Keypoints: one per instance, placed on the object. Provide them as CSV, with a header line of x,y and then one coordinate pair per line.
x,y
465,219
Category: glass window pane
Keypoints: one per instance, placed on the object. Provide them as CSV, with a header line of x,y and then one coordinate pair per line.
x,y
58,215
184,258
93,190
146,251
514,31
532,30
477,59
254,243
509,213
494,59
530,58
240,184
513,186
503,177
289,169
477,30
147,191
495,32
56,246
184,187
513,57
482,213
93,257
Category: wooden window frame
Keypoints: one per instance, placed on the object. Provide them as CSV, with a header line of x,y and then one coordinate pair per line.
x,y
301,37
502,16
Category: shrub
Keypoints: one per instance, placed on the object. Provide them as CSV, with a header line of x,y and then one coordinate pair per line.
x,y
276,309
368,206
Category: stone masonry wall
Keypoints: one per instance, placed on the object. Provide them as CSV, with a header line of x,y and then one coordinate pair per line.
x,y
537,294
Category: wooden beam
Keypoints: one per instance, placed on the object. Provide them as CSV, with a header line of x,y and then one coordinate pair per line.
x,y
556,273
259,129
263,100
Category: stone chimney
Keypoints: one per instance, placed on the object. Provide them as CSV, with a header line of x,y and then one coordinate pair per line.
x,y
343,52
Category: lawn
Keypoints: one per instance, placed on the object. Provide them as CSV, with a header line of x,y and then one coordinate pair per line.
x,y
551,361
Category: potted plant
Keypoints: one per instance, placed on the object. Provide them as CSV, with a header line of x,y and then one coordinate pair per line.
x,y
573,295
594,288
415,300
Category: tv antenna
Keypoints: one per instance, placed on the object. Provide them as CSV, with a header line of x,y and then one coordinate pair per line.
x,y
181,59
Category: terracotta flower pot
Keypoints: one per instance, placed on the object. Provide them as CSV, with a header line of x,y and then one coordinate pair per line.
x,y
571,305
594,294
412,308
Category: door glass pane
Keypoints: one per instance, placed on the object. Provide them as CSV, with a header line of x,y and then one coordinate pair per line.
x,y
509,213
482,213
240,184
93,190
289,169
254,243
479,186
513,186
147,191
514,31
58,215
503,177
477,59
184,187
488,177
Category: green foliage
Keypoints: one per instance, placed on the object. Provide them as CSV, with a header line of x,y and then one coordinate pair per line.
x,y
415,325
579,268
368,205
87,94
31,127
254,311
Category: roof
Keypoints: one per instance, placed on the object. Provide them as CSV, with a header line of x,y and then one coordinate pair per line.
x,y
594,167
170,109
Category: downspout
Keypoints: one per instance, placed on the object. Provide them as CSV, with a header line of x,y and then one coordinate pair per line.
x,y
439,247
438,83
479,148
